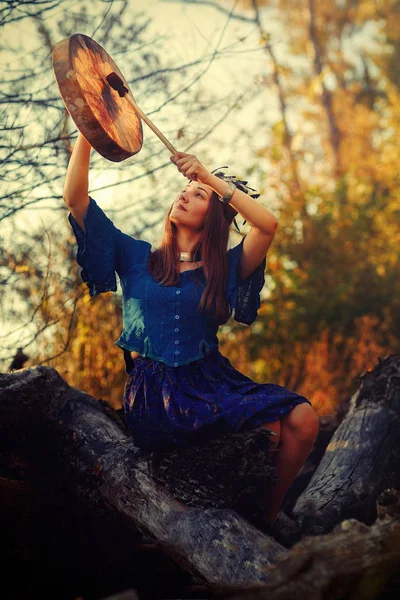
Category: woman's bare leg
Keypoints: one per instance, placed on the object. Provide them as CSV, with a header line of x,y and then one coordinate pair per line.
x,y
298,431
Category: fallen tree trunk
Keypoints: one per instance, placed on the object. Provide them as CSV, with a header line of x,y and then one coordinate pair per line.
x,y
353,561
77,446
67,433
362,458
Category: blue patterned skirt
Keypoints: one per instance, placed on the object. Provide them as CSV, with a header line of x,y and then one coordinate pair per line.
x,y
169,407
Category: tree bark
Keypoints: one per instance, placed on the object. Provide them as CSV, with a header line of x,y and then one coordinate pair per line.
x,y
362,458
191,502
353,561
78,446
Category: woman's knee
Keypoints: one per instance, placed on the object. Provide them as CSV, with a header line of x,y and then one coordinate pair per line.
x,y
302,421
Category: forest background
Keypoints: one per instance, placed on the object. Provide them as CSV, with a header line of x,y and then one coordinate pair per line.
x,y
300,97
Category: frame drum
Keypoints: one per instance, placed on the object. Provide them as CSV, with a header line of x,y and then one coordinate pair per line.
x,y
110,124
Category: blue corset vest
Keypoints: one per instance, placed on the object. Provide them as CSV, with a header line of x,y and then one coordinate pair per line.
x,y
161,322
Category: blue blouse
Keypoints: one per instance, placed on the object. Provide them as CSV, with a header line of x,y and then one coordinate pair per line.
x,y
159,321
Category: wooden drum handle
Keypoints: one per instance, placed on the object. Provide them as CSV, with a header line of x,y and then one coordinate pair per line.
x,y
117,84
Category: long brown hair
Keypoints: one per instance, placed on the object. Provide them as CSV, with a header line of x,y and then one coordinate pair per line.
x,y
163,263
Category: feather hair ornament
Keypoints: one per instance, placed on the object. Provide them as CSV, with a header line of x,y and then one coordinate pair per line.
x,y
240,184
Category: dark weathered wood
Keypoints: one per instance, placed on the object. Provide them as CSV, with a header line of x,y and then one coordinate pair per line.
x,y
362,458
228,471
79,445
353,561
68,433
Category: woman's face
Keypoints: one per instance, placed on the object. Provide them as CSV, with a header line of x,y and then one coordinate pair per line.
x,y
195,199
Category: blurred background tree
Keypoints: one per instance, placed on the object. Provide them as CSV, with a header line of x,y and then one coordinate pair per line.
x,y
333,156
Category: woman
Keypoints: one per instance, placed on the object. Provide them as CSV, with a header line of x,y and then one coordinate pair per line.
x,y
180,389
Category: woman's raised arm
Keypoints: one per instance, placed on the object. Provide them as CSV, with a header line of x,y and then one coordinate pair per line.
x,y
76,186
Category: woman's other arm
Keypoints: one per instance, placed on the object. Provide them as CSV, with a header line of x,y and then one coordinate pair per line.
x,y
76,186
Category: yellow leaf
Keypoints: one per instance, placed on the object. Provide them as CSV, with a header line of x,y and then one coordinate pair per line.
x,y
264,38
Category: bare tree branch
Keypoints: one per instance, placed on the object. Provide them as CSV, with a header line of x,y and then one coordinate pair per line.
x,y
217,7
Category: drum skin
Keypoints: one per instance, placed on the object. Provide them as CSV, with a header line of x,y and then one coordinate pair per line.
x,y
108,122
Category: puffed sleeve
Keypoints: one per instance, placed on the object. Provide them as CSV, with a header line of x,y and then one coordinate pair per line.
x,y
243,295
104,250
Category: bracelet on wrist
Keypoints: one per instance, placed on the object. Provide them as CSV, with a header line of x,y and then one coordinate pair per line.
x,y
228,194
